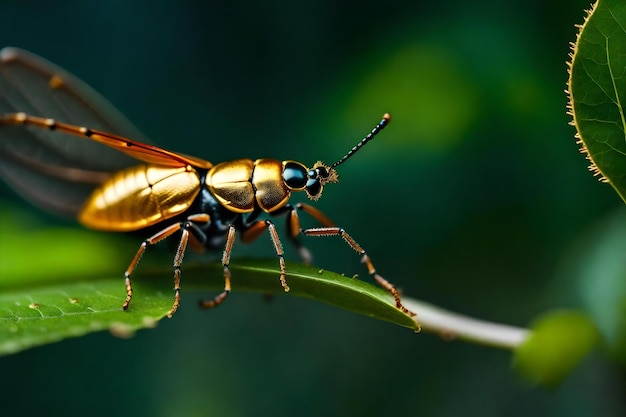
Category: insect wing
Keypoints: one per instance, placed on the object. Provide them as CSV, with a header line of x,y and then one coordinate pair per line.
x,y
145,152
54,170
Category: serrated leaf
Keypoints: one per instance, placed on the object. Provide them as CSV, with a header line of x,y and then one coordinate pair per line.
x,y
597,91
557,343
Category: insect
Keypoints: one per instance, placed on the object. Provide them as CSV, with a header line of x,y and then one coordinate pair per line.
x,y
142,187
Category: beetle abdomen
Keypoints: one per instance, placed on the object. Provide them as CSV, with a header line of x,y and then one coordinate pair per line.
x,y
139,197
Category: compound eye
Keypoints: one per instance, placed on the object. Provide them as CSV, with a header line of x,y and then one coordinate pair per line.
x,y
322,172
313,188
295,176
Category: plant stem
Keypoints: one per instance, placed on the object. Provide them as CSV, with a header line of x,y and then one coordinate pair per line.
x,y
452,326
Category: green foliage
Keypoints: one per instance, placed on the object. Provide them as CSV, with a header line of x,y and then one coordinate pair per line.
x,y
472,199
63,295
596,87
37,316
557,344
437,118
600,272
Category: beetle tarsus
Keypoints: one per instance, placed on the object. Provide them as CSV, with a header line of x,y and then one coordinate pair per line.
x,y
129,293
217,300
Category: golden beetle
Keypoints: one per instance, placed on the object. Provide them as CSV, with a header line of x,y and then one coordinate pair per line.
x,y
169,193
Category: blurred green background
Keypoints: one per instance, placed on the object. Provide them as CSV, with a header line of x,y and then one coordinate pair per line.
x,y
475,199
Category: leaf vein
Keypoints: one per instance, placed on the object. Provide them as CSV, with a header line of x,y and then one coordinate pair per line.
x,y
615,90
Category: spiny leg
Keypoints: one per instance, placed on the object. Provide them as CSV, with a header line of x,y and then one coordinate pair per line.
x,y
249,234
338,231
278,247
180,253
178,258
255,230
293,231
219,299
153,240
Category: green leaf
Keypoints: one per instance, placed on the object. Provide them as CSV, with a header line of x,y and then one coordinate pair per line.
x,y
262,276
597,91
33,317
57,283
598,267
36,316
557,343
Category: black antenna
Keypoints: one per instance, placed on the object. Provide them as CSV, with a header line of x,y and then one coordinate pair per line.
x,y
380,126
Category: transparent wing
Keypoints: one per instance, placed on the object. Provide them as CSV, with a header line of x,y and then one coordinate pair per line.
x,y
54,170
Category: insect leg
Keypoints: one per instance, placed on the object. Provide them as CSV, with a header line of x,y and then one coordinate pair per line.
x,y
316,214
254,230
219,299
178,258
279,252
331,230
293,231
153,240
